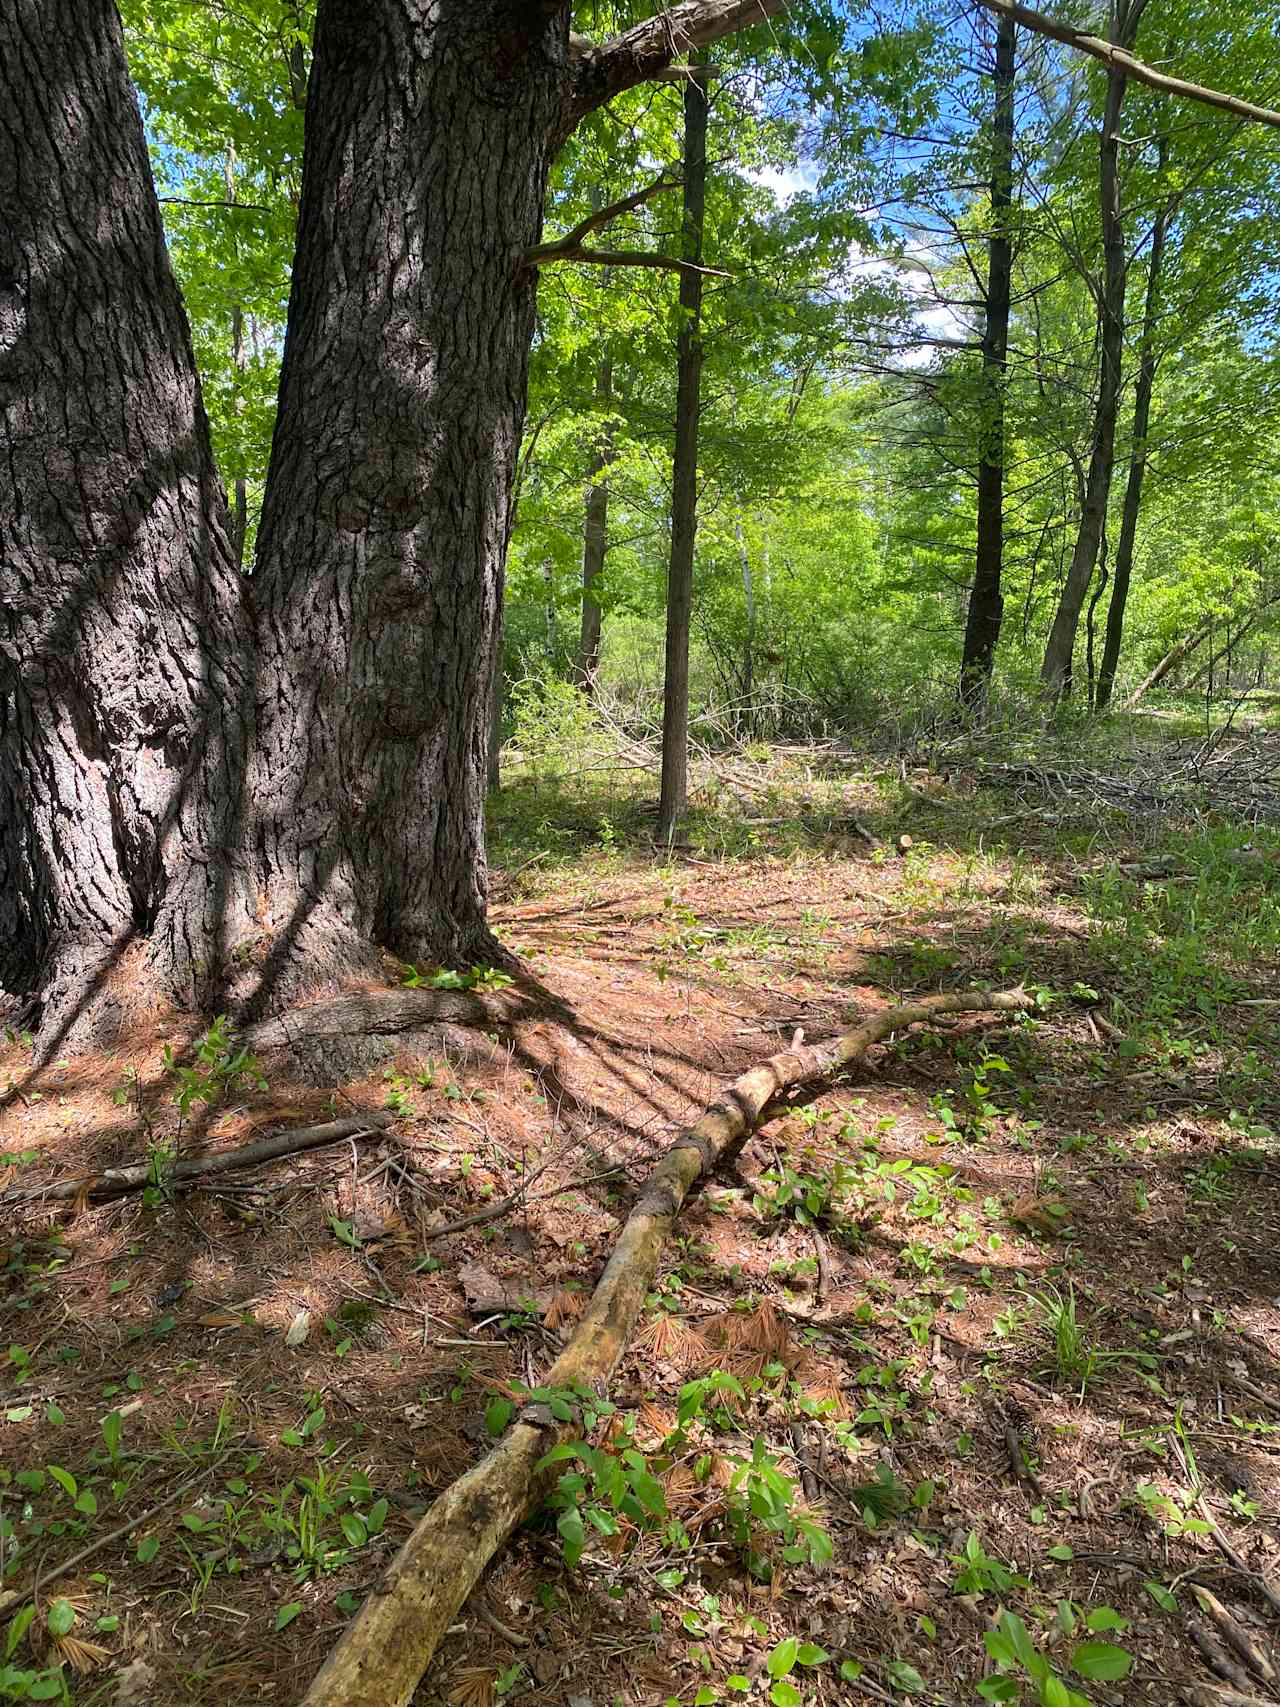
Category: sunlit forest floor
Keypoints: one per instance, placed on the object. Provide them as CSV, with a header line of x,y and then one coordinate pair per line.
x,y
1004,1313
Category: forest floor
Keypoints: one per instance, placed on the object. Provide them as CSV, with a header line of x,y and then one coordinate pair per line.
x,y
1004,1314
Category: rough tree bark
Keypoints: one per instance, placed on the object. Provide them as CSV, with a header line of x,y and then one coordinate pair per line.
x,y
130,672
123,641
595,538
986,600
384,531
1148,360
1055,672
684,481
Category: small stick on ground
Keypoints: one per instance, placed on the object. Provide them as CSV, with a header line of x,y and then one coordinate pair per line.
x,y
136,1176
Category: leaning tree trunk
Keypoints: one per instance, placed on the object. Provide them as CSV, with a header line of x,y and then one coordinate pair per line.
x,y
430,134
1055,672
673,797
123,643
1147,362
986,599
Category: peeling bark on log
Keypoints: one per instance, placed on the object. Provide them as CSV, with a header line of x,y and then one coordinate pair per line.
x,y
134,1176
392,1639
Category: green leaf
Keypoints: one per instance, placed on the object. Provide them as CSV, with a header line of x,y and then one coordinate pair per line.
x,y
905,1677
573,1533
706,1697
112,1431
87,1504
54,1414
1062,1552
1160,1594
498,1413
1105,1618
1101,1662
850,1670
999,1689
739,1682
353,1528
784,1694
810,1654
1054,1692
62,1615
17,1629
783,1657
147,1549
287,1614
377,1517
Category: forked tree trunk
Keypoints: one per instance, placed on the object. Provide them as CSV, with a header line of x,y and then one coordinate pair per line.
x,y
986,600
595,538
430,133
1055,672
684,483
123,642
1147,362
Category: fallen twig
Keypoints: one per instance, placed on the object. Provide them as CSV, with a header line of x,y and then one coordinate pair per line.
x,y
389,1644
135,1176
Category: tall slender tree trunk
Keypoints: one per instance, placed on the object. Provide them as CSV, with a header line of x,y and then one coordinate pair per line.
x,y
986,599
1055,672
595,538
1147,362
749,639
124,642
389,498
684,487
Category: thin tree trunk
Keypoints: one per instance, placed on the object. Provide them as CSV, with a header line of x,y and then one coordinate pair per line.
x,y
389,501
1055,673
749,648
595,539
1147,363
123,640
684,488
986,599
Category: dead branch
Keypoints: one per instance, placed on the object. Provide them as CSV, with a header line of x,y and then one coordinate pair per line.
x,y
620,258
573,239
135,1176
392,1639
1119,59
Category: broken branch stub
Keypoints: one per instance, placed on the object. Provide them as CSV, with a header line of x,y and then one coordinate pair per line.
x,y
391,1640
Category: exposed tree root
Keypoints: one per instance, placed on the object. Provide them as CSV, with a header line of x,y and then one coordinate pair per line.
x,y
134,1176
392,1639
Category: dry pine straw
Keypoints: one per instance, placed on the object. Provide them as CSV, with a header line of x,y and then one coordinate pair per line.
x,y
643,1053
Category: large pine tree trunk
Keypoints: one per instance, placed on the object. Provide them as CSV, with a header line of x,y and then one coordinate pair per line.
x,y
430,133
123,703
1055,672
684,484
986,599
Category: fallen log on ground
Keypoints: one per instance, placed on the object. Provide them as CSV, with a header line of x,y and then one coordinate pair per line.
x,y
391,1640
136,1176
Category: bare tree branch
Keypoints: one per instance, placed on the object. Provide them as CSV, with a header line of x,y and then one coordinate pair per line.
x,y
648,49
550,252
1119,59
571,247
596,221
